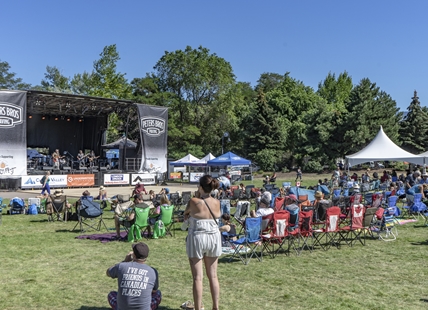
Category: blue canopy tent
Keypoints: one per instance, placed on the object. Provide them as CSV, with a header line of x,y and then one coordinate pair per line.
x,y
229,159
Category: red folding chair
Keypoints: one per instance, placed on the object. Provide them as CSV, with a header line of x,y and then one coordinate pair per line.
x,y
330,230
278,233
279,203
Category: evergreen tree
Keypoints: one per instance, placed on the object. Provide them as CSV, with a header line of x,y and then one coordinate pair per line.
x,y
414,127
368,109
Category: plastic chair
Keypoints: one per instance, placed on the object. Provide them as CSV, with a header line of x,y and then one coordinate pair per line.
x,y
141,222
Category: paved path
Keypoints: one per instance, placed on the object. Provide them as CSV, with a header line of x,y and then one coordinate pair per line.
x,y
111,191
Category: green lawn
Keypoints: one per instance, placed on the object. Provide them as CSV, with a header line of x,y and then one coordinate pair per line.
x,y
43,266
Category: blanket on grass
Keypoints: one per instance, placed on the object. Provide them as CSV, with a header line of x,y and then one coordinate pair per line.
x,y
107,237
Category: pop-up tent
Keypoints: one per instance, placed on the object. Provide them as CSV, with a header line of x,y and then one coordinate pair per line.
x,y
203,161
229,159
382,148
185,161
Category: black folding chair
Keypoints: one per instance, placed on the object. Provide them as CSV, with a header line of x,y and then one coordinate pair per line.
x,y
90,215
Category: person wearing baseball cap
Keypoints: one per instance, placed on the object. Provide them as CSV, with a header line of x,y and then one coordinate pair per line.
x,y
138,283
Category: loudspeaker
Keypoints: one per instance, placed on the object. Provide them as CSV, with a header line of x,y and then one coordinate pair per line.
x,y
103,168
66,168
82,168
47,168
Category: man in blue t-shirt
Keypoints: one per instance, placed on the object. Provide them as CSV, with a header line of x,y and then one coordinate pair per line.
x,y
138,283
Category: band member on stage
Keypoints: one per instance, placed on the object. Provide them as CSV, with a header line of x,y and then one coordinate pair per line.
x,y
92,159
81,158
55,158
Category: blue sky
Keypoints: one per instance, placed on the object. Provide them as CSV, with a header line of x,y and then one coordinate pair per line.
x,y
385,41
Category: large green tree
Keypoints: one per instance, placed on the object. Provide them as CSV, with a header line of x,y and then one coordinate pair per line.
x,y
202,97
414,127
55,81
8,80
369,108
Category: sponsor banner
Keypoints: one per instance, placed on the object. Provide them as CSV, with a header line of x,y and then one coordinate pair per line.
x,y
194,176
80,180
116,179
13,132
33,181
153,122
144,178
175,175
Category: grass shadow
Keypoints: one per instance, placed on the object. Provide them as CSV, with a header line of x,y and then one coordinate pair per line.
x,y
420,243
420,226
40,221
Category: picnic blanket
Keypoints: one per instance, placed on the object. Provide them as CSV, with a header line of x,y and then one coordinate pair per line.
x,y
103,238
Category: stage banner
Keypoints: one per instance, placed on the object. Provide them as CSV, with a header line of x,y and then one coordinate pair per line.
x,y
116,179
33,181
143,178
13,132
80,180
154,134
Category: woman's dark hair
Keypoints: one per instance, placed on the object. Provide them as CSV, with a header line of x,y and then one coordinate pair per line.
x,y
225,216
208,183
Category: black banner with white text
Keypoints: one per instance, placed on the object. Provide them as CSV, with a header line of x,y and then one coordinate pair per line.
x,y
153,122
13,132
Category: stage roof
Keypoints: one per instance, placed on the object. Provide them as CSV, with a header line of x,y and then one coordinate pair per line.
x,y
48,103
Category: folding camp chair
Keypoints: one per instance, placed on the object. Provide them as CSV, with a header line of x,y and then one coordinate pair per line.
x,y
185,198
330,229
278,203
242,211
141,222
58,205
414,206
245,247
353,231
166,217
90,214
300,236
123,198
384,225
278,234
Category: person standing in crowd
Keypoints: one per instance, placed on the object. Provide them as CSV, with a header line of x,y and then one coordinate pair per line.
x,y
138,283
299,174
204,240
45,183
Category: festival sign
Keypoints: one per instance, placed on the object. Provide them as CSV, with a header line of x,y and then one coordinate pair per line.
x,y
80,180
143,178
154,132
33,181
195,176
116,179
13,133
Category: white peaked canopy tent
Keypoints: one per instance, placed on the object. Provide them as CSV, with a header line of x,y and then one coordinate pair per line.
x,y
203,161
185,161
382,148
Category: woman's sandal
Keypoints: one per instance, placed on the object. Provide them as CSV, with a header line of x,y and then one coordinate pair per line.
x,y
189,305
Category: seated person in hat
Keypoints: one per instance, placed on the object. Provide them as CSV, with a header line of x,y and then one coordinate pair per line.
x,y
263,210
126,220
139,189
418,189
266,194
102,193
424,179
355,190
85,194
165,191
138,283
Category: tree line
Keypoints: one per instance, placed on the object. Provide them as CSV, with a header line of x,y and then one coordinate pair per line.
x,y
279,123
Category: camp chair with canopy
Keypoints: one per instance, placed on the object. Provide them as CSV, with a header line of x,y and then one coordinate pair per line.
x,y
90,216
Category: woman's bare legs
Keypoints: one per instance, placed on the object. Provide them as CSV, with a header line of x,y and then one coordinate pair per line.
x,y
197,273
211,270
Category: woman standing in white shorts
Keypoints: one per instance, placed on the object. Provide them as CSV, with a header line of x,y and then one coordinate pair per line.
x,y
204,239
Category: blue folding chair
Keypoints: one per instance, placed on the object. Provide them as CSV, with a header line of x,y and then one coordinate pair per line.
x,y
245,247
336,192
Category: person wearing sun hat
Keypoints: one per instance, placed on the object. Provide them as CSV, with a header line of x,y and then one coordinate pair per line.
x,y
102,193
138,283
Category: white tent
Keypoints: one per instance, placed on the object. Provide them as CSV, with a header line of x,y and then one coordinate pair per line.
x,y
185,161
203,161
382,148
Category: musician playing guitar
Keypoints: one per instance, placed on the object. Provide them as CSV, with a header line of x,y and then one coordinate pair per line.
x,y
81,158
56,158
92,159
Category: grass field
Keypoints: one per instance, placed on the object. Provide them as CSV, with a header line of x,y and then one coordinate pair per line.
x,y
43,266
